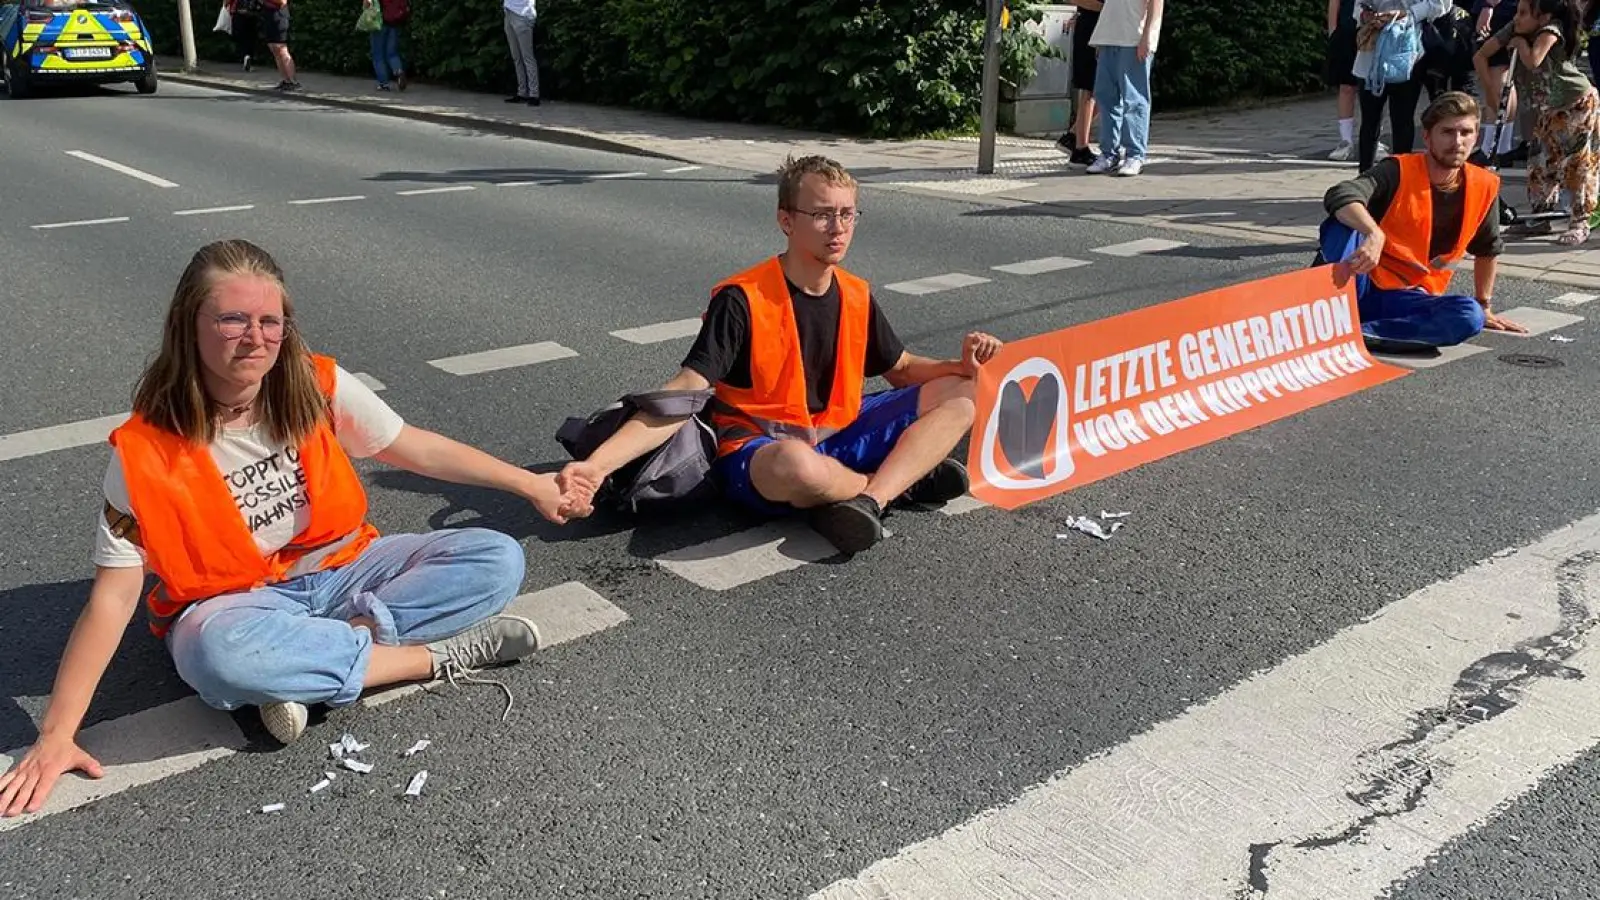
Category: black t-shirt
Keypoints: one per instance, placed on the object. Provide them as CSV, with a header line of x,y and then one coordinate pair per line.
x,y
722,351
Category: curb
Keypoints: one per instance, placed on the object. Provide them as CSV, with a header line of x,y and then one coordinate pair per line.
x,y
528,131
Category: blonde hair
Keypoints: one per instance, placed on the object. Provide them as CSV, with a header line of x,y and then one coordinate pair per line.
x,y
1449,105
794,170
171,394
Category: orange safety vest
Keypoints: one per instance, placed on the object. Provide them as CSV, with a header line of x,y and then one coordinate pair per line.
x,y
1408,226
775,403
194,537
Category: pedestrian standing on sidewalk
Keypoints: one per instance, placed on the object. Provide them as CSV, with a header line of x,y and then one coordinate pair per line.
x,y
1126,38
520,16
275,33
246,15
1076,141
1341,73
1494,15
386,61
1544,37
1401,97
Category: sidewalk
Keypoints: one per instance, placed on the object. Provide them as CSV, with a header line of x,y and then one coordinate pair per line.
x,y
1254,175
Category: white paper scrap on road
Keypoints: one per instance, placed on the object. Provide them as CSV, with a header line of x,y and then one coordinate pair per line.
x,y
320,785
350,744
1332,775
272,808
414,789
416,748
356,765
1090,527
138,749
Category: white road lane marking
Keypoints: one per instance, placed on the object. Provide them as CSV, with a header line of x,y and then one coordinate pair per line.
x,y
963,504
1139,247
58,437
1446,355
129,171
936,283
620,175
107,221
138,749
1041,266
369,381
215,209
317,200
417,192
1572,298
1537,321
1333,775
682,169
503,358
751,555
563,613
661,331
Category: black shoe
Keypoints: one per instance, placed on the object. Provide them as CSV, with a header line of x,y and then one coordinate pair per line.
x,y
517,99
851,525
1395,347
1082,156
533,101
945,482
1067,143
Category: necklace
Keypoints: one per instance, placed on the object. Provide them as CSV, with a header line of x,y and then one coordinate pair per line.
x,y
236,410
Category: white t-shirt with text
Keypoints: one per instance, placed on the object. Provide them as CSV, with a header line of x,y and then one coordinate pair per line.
x,y
265,478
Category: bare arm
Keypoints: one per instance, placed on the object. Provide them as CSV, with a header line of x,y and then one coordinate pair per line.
x,y
913,369
1484,269
436,456
1532,54
1333,16
113,598
1357,217
643,432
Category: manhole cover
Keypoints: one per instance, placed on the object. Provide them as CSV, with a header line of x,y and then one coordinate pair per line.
x,y
1531,361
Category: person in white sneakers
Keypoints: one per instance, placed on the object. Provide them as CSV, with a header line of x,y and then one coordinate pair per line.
x,y
1126,38
232,484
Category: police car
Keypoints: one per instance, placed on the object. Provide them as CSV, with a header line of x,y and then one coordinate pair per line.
x,y
57,41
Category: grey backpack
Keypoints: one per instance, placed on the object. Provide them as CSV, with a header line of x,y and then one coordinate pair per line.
x,y
677,471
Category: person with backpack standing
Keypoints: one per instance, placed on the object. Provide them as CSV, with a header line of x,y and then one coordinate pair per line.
x,y
386,41
1544,38
1381,21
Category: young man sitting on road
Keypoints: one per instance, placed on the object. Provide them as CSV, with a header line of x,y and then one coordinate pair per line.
x,y
1402,223
787,346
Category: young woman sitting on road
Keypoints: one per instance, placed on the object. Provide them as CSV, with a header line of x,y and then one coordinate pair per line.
x,y
232,484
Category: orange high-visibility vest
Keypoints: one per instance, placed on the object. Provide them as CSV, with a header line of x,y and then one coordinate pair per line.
x,y
1408,226
195,539
775,403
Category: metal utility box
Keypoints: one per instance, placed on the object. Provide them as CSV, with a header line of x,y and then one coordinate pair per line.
x,y
1044,104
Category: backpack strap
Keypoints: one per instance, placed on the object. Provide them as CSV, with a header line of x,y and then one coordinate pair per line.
x,y
670,404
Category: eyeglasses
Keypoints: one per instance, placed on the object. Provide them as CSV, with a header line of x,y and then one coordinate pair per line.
x,y
823,218
234,326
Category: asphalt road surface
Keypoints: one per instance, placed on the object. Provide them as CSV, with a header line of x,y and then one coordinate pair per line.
x,y
1340,655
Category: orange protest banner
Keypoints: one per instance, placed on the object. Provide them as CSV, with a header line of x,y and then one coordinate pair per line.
x,y
1071,407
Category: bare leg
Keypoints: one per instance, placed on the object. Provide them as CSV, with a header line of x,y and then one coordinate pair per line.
x,y
1085,117
791,472
389,665
280,55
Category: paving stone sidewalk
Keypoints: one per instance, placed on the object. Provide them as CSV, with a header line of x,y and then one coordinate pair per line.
x,y
1256,175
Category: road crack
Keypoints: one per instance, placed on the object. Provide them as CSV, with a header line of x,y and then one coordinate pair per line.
x,y
1394,779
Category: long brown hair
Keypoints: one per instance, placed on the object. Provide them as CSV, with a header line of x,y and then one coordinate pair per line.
x,y
171,395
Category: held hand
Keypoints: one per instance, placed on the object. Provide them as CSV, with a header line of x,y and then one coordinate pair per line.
x,y
25,788
977,349
547,498
576,485
1492,322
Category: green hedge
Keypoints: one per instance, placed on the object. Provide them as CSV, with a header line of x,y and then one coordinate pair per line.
x,y
881,68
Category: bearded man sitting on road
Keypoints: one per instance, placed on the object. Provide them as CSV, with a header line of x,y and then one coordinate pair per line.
x,y
1400,225
787,347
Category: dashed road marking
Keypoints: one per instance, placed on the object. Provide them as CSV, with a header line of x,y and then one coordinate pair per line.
x,y
936,283
682,169
1572,298
1139,247
112,220
662,331
318,200
138,749
129,171
58,437
1446,355
605,175
747,556
214,209
1537,321
563,613
451,189
963,504
1041,266
369,381
503,358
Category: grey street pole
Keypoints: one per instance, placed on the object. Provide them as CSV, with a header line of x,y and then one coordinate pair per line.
x,y
989,113
186,32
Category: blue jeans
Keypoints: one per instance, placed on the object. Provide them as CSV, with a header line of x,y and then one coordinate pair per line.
x,y
1403,314
1122,88
386,62
862,446
292,640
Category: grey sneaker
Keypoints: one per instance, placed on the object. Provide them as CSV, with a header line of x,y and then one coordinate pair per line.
x,y
495,641
284,720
